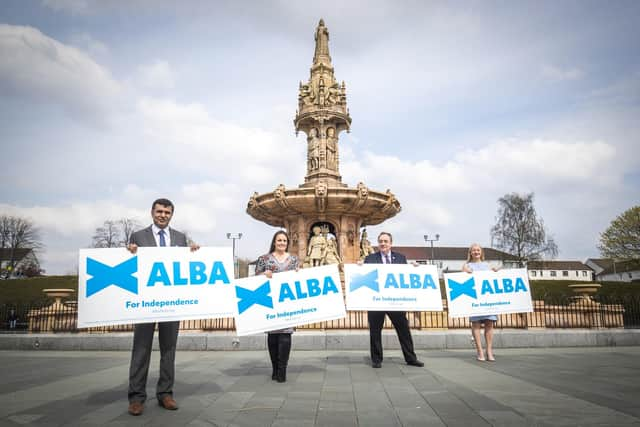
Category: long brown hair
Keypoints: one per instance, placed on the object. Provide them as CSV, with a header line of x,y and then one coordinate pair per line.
x,y
272,249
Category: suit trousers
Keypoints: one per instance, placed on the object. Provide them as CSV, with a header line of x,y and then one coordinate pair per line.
x,y
400,323
141,355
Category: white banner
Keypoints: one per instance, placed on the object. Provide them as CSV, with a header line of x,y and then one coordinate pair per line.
x,y
488,292
154,285
288,299
392,287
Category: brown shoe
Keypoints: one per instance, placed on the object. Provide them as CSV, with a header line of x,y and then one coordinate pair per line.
x,y
169,403
136,408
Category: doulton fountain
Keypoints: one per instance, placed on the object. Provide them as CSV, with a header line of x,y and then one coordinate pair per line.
x,y
323,204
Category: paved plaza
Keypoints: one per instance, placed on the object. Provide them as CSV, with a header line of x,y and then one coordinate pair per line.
x,y
525,387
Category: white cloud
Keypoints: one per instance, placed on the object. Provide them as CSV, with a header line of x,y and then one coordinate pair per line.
x,y
39,67
88,43
189,136
158,75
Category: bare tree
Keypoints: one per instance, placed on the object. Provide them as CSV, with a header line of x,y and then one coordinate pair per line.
x,y
114,233
519,231
18,237
128,226
107,236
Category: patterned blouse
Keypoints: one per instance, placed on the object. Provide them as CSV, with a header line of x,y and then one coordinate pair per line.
x,y
269,262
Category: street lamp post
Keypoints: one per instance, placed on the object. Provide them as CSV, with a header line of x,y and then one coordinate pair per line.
x,y
427,239
234,237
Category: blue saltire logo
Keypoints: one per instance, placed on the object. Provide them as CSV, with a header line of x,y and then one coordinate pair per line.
x,y
259,296
104,275
465,288
368,280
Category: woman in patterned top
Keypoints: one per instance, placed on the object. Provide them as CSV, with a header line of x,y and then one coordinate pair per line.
x,y
476,262
279,342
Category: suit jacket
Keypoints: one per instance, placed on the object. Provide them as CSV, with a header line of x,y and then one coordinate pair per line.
x,y
145,237
376,258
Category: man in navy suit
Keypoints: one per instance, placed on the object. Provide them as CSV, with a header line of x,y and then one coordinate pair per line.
x,y
157,234
398,318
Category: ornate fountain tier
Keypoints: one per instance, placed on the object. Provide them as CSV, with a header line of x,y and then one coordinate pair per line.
x,y
323,207
344,210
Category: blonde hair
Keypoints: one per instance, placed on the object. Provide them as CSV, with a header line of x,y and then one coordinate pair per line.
x,y
469,258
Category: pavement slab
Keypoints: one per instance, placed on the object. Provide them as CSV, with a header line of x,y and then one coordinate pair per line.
x,y
585,386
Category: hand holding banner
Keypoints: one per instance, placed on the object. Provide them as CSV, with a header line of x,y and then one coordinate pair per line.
x,y
488,292
288,299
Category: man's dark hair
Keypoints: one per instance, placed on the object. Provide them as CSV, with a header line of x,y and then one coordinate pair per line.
x,y
165,203
386,233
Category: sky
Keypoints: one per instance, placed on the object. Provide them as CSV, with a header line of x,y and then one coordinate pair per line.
x,y
108,105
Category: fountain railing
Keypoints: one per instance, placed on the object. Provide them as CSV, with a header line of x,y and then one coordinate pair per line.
x,y
571,312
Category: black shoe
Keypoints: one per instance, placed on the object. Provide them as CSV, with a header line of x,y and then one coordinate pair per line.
x,y
281,375
376,364
416,363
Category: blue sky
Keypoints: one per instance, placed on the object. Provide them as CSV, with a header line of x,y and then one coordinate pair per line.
x,y
106,105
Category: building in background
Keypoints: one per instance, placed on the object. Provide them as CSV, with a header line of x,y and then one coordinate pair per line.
x,y
608,270
560,270
450,259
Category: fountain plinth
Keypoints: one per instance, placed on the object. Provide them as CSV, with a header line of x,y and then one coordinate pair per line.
x,y
58,294
586,291
323,200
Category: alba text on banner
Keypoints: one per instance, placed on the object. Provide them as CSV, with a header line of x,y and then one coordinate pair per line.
x,y
156,284
488,292
288,299
392,287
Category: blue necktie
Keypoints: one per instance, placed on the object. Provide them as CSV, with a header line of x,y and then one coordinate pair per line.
x,y
387,259
163,242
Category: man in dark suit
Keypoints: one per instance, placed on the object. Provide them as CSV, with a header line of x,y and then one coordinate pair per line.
x,y
398,318
157,234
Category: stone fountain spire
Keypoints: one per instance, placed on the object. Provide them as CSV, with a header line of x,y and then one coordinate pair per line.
x,y
322,114
323,202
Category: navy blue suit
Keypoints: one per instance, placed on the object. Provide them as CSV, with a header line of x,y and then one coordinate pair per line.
x,y
398,318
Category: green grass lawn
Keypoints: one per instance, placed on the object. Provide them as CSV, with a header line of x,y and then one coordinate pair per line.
x,y
29,291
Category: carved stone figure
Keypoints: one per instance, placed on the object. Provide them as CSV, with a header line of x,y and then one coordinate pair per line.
x,y
351,236
317,246
253,201
322,41
307,262
331,255
363,191
314,149
390,204
279,191
321,196
333,95
332,149
365,246
305,97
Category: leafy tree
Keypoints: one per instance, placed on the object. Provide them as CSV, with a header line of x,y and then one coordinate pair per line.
x,y
622,239
519,231
18,237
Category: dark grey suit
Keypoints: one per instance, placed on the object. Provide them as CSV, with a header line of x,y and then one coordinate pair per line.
x,y
143,337
398,318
